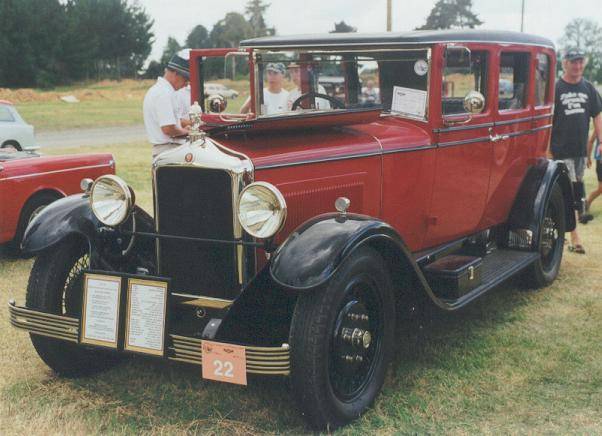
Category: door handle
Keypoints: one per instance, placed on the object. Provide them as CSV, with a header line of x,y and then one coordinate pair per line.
x,y
496,138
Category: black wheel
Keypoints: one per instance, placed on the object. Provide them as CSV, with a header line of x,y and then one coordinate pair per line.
x,y
56,286
12,144
31,209
551,242
338,104
342,341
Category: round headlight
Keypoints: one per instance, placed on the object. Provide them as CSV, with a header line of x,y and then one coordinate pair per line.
x,y
111,200
261,210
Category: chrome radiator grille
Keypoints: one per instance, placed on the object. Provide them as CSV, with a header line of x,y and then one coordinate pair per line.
x,y
196,202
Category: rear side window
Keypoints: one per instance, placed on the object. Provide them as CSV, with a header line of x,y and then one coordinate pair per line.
x,y
457,82
542,79
5,114
513,80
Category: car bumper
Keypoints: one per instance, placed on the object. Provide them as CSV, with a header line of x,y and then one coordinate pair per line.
x,y
259,360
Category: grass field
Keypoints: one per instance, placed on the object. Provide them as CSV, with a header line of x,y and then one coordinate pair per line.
x,y
516,361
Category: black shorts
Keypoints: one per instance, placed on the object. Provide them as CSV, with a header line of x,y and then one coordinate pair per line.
x,y
599,170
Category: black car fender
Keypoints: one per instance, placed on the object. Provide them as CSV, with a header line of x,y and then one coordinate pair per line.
x,y
311,255
530,203
71,216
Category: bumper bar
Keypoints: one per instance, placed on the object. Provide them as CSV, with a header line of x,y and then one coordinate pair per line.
x,y
260,360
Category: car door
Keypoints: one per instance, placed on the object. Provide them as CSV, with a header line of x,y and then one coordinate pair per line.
x,y
512,135
463,154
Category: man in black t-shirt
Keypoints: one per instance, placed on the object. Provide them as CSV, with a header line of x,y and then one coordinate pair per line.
x,y
576,102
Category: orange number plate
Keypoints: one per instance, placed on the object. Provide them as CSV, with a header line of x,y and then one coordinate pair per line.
x,y
224,362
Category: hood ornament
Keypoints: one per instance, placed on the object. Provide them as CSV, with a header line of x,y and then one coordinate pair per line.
x,y
196,133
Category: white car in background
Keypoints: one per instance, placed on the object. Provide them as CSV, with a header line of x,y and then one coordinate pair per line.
x,y
219,89
14,131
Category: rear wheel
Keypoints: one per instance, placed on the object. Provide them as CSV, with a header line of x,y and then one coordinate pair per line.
x,y
12,144
56,286
31,209
342,341
551,242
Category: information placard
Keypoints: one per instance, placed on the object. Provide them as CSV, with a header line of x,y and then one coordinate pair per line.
x,y
100,310
145,321
409,101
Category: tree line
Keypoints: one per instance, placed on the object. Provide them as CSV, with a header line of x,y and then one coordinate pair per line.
x,y
44,43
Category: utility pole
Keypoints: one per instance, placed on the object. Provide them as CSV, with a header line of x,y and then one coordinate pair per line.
x,y
389,19
522,17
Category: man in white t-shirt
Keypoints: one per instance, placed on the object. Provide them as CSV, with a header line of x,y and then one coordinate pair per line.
x,y
183,105
294,69
275,97
161,118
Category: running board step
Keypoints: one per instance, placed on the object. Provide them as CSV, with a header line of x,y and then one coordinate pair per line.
x,y
496,267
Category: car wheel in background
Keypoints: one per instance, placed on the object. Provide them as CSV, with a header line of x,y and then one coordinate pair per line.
x,y
12,144
31,209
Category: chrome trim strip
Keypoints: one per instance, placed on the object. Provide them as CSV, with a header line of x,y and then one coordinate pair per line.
x,y
464,141
56,171
539,117
459,128
409,149
513,121
547,126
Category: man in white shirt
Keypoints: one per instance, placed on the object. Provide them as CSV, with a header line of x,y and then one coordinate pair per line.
x,y
161,119
275,97
294,70
183,105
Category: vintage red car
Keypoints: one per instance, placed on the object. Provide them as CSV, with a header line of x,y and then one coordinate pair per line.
x,y
29,182
292,239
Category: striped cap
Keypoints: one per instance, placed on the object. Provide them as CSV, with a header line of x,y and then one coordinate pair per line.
x,y
179,63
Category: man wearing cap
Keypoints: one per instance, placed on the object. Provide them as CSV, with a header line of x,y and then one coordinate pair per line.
x,y
162,120
576,102
275,97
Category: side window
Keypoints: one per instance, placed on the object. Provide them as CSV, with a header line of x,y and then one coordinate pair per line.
x,y
5,114
514,73
542,79
457,82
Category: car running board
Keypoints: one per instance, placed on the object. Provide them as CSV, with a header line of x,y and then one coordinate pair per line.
x,y
496,267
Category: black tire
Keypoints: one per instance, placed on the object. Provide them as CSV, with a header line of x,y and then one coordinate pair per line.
x,y
330,390
32,207
56,286
551,242
12,144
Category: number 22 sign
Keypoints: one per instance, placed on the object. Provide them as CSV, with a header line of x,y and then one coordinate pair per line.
x,y
224,362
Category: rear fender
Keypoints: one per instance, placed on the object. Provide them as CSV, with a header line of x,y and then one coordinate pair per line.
x,y
530,203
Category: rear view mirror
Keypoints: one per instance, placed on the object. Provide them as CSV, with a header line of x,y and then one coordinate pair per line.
x,y
457,57
474,102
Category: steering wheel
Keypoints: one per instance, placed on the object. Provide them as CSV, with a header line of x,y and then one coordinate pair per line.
x,y
338,104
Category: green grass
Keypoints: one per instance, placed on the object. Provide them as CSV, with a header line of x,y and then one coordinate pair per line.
x,y
518,362
58,115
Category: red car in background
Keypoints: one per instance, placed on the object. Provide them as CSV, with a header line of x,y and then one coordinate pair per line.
x,y
29,182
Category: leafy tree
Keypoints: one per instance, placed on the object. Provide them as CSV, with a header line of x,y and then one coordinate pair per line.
x,y
198,38
451,14
586,35
255,10
343,27
171,48
227,32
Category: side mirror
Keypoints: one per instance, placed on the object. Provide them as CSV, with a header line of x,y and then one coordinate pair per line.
x,y
474,102
216,103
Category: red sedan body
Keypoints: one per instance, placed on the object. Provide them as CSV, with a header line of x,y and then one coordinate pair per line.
x,y
23,176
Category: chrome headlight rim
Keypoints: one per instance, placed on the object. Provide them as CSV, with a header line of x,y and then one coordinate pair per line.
x,y
281,206
128,199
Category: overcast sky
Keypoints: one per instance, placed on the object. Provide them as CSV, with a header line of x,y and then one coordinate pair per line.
x,y
543,17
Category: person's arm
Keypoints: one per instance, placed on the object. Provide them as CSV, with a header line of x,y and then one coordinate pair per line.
x,y
246,107
597,134
173,131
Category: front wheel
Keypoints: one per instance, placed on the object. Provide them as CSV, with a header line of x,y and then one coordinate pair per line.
x,y
342,341
551,242
56,286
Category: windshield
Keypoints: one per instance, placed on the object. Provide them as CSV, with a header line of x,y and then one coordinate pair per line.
x,y
293,82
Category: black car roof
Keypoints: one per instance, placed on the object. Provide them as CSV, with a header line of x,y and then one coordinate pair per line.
x,y
397,38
